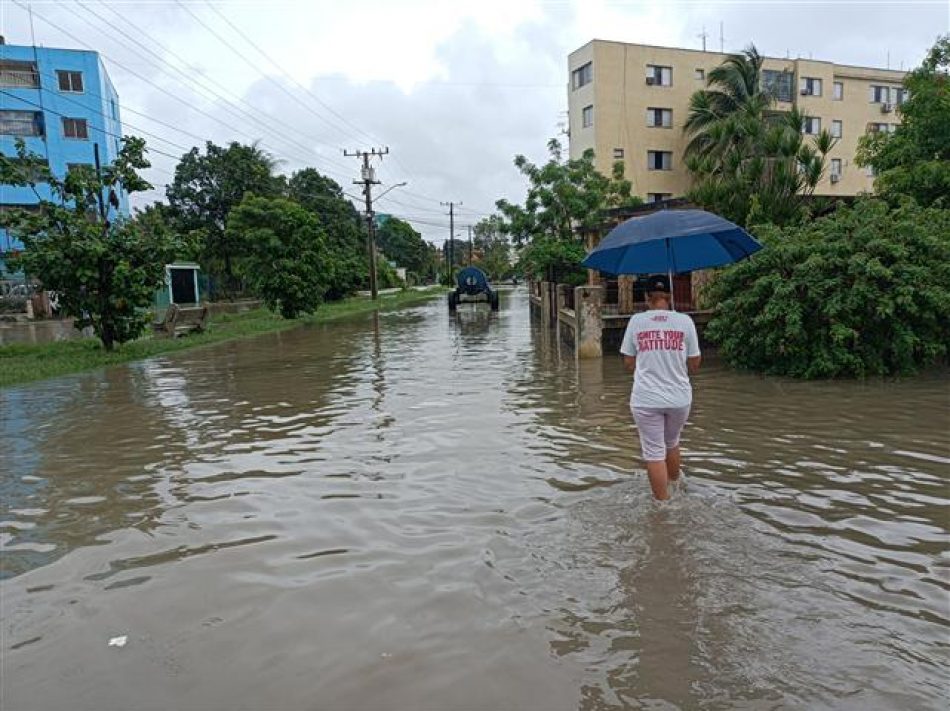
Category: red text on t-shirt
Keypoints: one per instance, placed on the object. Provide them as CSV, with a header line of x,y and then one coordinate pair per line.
x,y
660,341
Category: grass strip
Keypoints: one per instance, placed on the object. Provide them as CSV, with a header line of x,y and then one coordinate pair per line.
x,y
27,362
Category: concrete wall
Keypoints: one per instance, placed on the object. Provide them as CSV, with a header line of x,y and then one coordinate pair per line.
x,y
621,97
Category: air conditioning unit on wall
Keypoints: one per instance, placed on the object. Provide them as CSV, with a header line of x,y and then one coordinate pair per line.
x,y
651,81
887,108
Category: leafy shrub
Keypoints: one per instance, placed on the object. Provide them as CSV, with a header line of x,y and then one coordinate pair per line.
x,y
287,262
864,291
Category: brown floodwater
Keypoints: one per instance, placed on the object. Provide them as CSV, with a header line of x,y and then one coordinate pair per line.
x,y
418,511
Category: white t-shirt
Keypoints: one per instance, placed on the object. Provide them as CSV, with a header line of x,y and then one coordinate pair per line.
x,y
661,341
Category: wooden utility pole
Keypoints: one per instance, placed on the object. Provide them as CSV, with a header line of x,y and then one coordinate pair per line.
x,y
451,206
368,180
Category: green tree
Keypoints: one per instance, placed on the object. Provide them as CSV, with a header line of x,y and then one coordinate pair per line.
x,y
749,161
286,257
105,268
563,195
864,291
915,159
344,228
492,247
208,186
403,245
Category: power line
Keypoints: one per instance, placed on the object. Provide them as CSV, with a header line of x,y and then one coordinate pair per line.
x,y
287,74
94,128
63,97
145,79
204,84
164,66
254,66
136,74
283,71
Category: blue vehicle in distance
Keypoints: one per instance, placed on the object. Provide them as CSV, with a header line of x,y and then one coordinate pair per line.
x,y
472,287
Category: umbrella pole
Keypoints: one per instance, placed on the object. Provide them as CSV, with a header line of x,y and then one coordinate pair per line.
x,y
669,272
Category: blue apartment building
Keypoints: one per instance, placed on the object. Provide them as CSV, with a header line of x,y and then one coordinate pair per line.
x,y
62,103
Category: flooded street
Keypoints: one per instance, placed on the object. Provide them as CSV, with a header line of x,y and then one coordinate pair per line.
x,y
418,511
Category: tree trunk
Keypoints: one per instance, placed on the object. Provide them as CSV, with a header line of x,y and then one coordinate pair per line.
x,y
107,335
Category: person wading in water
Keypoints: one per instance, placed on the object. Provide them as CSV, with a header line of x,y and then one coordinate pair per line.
x,y
661,348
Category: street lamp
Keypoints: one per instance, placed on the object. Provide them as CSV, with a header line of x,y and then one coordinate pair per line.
x,y
393,187
371,225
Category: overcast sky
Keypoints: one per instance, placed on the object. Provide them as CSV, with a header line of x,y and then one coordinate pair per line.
x,y
454,89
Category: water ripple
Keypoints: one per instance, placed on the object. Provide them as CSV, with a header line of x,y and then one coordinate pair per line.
x,y
416,511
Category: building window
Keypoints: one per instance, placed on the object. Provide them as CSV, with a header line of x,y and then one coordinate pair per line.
x,y
660,117
659,160
583,75
658,197
778,84
75,128
869,171
21,123
700,74
881,128
902,95
587,116
19,74
838,91
812,125
618,153
809,86
70,167
836,166
836,129
659,76
880,94
115,111
70,81
37,172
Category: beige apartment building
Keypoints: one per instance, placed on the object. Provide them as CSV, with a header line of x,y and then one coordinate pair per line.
x,y
629,102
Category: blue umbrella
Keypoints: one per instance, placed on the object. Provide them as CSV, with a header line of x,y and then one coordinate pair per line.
x,y
671,241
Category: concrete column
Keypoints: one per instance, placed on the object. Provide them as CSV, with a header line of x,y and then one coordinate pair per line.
x,y
588,302
625,302
546,304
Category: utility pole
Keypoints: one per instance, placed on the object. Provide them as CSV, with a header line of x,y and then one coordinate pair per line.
x,y
469,245
368,180
451,206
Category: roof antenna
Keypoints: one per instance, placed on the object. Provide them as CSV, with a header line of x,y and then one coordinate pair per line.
x,y
703,35
722,40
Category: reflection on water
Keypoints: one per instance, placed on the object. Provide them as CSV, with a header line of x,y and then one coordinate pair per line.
x,y
425,510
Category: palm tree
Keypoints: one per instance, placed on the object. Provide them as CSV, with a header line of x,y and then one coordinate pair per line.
x,y
745,155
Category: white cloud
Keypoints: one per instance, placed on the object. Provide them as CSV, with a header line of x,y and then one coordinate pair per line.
x,y
455,89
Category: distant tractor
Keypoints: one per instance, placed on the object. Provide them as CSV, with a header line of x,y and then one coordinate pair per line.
x,y
473,287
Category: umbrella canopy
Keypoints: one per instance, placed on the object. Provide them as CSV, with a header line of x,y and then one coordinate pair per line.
x,y
671,241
